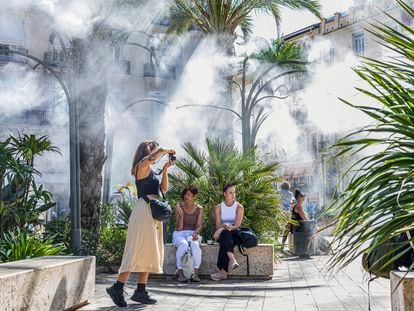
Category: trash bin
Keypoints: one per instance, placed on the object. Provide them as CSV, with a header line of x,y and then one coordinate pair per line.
x,y
302,238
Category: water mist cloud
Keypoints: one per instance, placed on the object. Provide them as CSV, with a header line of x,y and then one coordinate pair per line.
x,y
330,83
202,83
21,89
77,19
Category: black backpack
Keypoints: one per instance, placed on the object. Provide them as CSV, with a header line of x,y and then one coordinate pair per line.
x,y
247,237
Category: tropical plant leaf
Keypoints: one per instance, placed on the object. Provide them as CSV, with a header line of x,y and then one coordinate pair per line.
x,y
378,202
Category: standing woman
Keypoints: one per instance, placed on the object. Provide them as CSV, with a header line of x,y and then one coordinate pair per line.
x,y
144,248
189,218
229,216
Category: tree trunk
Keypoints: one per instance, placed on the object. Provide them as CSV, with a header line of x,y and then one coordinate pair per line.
x,y
92,59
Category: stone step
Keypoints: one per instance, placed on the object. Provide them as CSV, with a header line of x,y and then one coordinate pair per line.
x,y
47,283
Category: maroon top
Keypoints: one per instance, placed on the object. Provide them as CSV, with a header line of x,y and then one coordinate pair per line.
x,y
190,220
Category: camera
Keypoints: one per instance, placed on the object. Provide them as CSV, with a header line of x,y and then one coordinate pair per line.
x,y
172,157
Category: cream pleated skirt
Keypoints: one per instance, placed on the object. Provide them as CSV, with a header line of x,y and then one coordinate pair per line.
x,y
144,247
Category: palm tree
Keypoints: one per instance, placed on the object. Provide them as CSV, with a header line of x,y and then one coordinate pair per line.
x,y
224,17
222,163
378,203
221,19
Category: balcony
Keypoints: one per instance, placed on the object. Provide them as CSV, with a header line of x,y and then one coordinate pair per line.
x,y
151,72
122,67
6,56
55,59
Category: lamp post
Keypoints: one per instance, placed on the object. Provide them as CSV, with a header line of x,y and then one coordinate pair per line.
x,y
74,201
251,122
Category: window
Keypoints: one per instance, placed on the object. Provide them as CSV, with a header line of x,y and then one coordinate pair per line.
x,y
358,43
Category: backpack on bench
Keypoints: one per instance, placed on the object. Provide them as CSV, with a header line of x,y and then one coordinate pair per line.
x,y
247,239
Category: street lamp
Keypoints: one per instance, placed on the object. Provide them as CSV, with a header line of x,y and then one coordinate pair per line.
x,y
250,122
75,205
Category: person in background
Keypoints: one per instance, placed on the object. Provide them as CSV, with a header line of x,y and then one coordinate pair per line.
x,y
286,199
189,218
298,213
311,208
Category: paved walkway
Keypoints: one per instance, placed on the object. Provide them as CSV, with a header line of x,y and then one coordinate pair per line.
x,y
300,285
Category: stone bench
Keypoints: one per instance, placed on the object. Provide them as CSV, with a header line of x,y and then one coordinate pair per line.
x,y
402,297
261,261
47,283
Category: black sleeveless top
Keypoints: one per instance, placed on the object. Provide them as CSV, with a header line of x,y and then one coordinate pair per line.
x,y
148,185
295,215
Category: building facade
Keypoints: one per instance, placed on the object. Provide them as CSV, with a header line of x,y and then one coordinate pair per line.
x,y
319,173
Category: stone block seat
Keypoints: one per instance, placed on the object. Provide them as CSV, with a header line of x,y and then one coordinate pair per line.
x,y
47,283
261,261
402,290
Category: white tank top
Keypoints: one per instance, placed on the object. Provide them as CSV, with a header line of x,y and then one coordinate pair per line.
x,y
228,213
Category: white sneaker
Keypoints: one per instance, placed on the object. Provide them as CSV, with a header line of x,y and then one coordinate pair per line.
x,y
233,264
218,276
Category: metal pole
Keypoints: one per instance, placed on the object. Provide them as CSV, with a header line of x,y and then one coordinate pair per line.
x,y
74,201
75,234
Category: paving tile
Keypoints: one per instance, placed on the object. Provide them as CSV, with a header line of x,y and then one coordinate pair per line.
x,y
297,285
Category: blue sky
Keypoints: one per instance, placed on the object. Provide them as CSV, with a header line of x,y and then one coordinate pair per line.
x,y
294,20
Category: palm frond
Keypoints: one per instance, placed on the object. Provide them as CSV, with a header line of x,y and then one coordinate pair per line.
x,y
378,202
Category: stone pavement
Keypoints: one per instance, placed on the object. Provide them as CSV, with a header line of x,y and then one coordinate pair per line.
x,y
302,285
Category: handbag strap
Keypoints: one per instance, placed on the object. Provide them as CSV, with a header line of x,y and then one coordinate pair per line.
x,y
146,199
242,251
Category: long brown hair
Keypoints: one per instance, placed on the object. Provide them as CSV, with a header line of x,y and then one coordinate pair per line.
x,y
144,149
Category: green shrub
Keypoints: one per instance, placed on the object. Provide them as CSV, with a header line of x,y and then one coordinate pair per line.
x,y
111,245
22,245
22,200
223,163
59,231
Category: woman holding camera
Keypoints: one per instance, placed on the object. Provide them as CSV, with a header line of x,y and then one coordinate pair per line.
x,y
229,216
189,218
144,248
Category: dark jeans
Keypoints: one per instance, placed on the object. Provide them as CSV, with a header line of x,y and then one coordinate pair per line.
x,y
227,240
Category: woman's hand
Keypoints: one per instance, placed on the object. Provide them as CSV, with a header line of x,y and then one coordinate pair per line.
x,y
168,164
195,236
228,227
179,211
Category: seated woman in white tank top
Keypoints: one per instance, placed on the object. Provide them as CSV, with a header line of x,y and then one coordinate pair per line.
x,y
229,216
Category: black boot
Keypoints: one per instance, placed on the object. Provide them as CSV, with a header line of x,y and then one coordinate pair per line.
x,y
117,296
143,297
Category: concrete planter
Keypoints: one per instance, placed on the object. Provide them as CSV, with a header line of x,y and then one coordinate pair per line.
x,y
402,297
47,283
